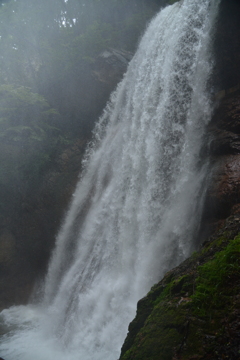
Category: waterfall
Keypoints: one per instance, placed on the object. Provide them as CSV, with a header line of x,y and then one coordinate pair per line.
x,y
137,207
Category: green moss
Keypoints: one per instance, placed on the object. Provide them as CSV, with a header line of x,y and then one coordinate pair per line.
x,y
218,243
163,330
213,286
182,285
182,316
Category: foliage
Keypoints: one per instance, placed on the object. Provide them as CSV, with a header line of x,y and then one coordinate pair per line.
x,y
25,116
185,315
29,136
214,284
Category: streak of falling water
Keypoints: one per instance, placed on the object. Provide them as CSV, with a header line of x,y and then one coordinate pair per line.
x,y
137,207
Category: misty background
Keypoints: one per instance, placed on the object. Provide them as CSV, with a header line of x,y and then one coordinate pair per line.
x,y
51,94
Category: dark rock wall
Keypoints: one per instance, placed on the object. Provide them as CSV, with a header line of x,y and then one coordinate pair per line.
x,y
224,192
227,45
194,311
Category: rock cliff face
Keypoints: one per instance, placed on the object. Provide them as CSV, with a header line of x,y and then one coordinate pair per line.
x,y
227,44
224,192
223,195
110,65
194,312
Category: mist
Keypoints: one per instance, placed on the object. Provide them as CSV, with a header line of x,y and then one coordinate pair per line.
x,y
50,99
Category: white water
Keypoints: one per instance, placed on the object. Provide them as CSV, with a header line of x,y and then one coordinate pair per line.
x,y
137,207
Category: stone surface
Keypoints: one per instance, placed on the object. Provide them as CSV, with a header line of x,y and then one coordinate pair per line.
x,y
227,45
224,190
194,311
111,65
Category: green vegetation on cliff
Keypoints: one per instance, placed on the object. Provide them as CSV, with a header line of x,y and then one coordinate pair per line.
x,y
214,285
194,312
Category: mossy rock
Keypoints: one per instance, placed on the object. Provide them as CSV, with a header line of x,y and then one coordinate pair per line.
x,y
194,312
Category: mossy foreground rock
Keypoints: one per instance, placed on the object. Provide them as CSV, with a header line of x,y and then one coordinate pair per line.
x,y
194,312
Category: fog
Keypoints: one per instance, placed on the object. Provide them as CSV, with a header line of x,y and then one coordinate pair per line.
x,y
51,47
49,100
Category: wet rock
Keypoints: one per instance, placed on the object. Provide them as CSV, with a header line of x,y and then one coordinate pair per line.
x,y
227,45
193,312
225,142
111,64
224,190
7,249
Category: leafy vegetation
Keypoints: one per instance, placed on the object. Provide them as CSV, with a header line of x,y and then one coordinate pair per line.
x,y
28,132
184,315
214,284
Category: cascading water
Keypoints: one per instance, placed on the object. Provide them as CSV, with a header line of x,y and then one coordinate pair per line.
x,y
139,201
